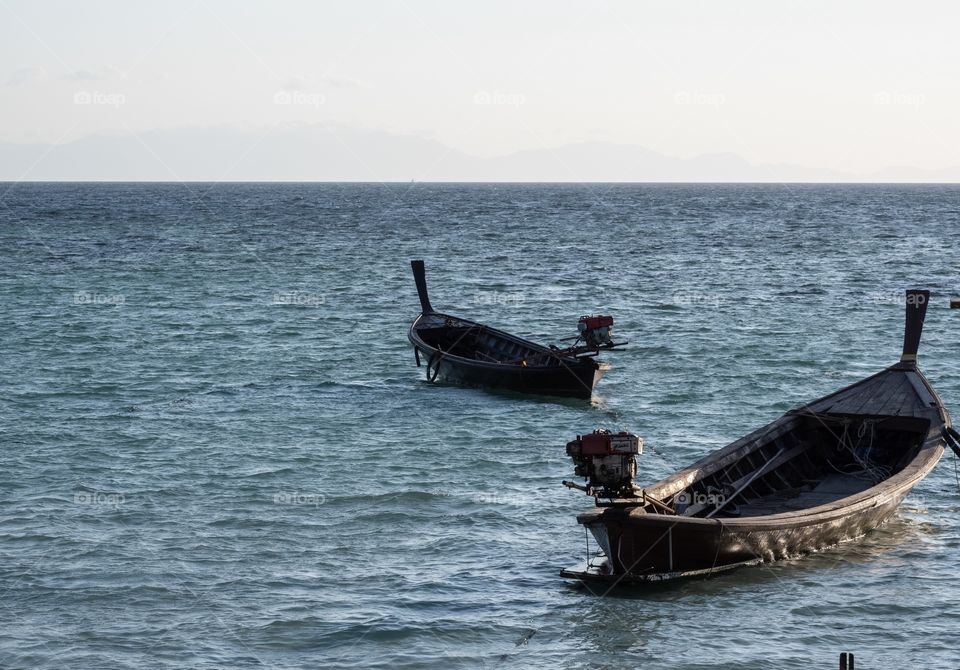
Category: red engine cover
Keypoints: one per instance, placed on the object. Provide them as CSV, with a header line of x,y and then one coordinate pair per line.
x,y
595,444
605,444
599,321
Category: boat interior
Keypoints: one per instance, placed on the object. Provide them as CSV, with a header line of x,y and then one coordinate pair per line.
x,y
476,342
805,461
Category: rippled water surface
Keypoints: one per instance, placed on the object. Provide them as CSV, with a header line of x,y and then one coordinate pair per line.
x,y
217,451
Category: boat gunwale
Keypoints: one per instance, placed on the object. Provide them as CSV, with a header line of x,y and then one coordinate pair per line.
x,y
929,452
868,498
569,361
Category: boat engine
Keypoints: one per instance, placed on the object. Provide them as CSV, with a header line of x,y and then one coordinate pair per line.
x,y
596,331
608,461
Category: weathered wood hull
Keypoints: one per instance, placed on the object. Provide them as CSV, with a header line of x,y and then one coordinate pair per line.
x,y
820,475
534,368
640,546
572,380
661,547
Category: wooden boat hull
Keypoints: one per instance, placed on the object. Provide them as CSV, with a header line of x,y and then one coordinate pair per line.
x,y
575,379
820,475
660,547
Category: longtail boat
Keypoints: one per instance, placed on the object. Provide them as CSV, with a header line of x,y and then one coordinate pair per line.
x,y
458,350
820,475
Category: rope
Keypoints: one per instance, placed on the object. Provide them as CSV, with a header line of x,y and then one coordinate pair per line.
x,y
434,365
872,472
436,357
719,541
955,474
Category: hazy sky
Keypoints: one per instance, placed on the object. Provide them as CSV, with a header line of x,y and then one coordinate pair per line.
x,y
846,86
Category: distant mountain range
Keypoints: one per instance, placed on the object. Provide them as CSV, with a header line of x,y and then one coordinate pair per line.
x,y
325,153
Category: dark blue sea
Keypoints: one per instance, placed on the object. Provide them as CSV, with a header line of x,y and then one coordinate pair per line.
x,y
216,450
